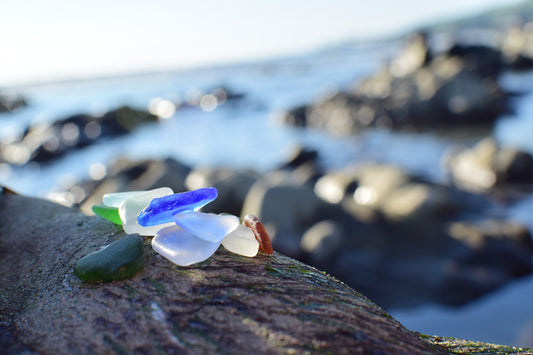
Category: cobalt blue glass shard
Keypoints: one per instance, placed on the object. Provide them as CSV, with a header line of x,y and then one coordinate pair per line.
x,y
162,210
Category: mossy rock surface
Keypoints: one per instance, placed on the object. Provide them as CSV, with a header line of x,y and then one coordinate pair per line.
x,y
228,304
461,346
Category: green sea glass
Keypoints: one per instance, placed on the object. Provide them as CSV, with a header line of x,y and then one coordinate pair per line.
x,y
119,260
107,212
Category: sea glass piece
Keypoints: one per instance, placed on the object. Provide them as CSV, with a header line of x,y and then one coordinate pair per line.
x,y
162,210
119,260
260,233
116,198
109,213
241,241
130,208
209,226
182,247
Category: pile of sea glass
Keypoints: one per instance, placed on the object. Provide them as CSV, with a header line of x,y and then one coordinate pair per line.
x,y
181,233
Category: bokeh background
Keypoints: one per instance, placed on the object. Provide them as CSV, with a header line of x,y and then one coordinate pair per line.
x,y
387,143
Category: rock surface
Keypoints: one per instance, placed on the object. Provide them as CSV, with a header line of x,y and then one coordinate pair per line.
x,y
229,304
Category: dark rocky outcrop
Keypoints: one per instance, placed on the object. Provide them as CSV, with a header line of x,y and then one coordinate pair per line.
x,y
399,229
44,143
9,103
126,175
229,304
488,165
517,47
417,90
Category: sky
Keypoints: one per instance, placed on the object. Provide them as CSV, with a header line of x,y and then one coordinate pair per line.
x,y
65,39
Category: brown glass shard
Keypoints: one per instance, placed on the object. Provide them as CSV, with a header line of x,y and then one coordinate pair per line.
x,y
260,233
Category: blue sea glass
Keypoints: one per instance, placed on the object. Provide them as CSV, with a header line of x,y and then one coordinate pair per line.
x,y
181,247
207,226
162,210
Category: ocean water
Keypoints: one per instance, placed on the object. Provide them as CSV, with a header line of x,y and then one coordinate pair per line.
x,y
247,134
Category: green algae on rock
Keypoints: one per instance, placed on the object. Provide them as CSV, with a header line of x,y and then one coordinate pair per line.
x,y
107,212
119,260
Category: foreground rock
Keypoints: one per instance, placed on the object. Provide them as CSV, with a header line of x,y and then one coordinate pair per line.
x,y
229,304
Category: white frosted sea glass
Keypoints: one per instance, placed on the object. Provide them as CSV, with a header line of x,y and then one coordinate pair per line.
x,y
208,226
182,247
241,241
116,198
130,208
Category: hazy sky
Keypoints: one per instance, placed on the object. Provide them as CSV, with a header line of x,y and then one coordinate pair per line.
x,y
57,39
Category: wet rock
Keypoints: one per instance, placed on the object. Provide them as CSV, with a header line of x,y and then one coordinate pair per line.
x,y
289,206
484,60
225,94
276,199
46,142
300,156
371,191
126,175
119,260
233,186
414,55
303,166
502,245
322,241
335,185
487,165
403,238
421,203
9,103
517,47
418,90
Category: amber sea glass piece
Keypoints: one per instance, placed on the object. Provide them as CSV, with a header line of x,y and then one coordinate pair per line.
x,y
260,233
